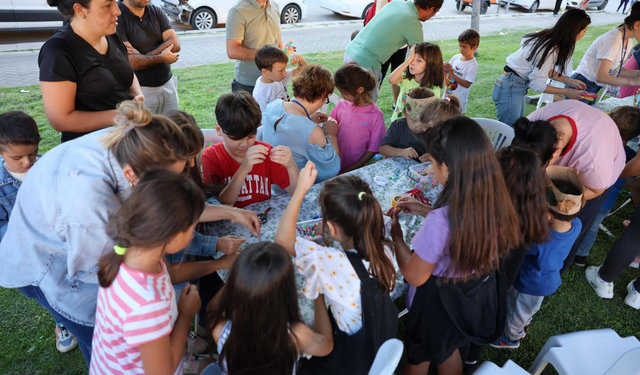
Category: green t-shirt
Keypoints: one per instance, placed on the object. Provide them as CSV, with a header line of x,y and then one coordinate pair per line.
x,y
397,24
405,86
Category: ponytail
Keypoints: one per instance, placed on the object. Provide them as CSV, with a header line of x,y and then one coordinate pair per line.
x,y
632,18
436,110
108,267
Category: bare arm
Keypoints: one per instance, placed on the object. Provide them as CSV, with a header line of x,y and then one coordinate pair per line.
x,y
415,270
170,39
164,355
319,342
236,51
230,193
592,193
247,218
632,168
360,163
459,80
389,152
603,75
186,271
396,77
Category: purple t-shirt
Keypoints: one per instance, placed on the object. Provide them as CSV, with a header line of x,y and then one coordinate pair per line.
x,y
430,243
361,129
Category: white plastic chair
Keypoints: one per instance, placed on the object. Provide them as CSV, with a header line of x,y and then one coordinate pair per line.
x,y
210,137
587,352
387,358
499,133
509,368
629,363
547,99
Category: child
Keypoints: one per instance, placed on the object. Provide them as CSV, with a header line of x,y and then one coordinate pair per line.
x,y
457,250
539,274
405,135
256,320
138,328
19,140
463,67
361,122
272,85
423,67
356,280
247,167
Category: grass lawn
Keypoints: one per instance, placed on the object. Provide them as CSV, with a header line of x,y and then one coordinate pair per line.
x,y
28,342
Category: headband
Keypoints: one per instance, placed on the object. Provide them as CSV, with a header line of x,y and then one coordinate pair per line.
x,y
413,107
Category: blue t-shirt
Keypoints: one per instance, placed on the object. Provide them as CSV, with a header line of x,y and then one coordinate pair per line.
x,y
540,271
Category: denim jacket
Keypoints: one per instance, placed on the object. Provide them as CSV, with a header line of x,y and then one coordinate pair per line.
x,y
9,186
57,232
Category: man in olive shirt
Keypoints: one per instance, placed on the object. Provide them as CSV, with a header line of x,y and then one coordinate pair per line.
x,y
397,24
251,24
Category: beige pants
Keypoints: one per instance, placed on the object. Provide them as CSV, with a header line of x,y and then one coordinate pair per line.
x,y
162,99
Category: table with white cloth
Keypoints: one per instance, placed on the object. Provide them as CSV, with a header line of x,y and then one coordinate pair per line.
x,y
395,173
607,105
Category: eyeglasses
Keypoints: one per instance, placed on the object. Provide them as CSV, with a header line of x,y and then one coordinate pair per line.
x,y
328,101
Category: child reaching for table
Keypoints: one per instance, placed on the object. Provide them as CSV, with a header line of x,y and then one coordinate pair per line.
x,y
423,67
138,327
361,122
356,280
457,251
256,319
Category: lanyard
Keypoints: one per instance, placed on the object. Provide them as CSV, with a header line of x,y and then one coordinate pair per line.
x,y
624,50
305,110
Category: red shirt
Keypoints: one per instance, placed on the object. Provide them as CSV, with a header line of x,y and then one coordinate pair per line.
x,y
219,167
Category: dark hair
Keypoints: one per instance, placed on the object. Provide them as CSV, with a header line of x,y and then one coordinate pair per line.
x,y
470,37
526,185
162,205
261,299
561,38
483,225
350,77
565,187
539,136
359,218
65,7
633,17
426,4
17,127
434,73
436,110
627,118
238,115
420,93
268,55
144,141
312,83
354,34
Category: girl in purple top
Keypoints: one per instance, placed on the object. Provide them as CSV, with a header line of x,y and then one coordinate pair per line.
x,y
457,250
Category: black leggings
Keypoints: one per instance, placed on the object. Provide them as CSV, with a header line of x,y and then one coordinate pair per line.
x,y
623,251
394,61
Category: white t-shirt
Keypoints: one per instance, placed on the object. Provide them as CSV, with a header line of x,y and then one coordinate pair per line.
x,y
17,176
265,93
608,46
466,70
538,78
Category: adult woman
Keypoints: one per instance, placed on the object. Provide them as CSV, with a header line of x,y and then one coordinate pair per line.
x,y
294,124
602,64
543,55
58,226
84,69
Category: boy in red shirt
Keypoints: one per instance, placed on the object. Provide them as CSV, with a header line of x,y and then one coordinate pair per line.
x,y
247,167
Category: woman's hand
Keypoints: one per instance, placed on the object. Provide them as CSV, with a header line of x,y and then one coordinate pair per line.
x,y
413,206
229,244
226,261
139,98
307,177
577,84
250,220
319,117
574,94
331,127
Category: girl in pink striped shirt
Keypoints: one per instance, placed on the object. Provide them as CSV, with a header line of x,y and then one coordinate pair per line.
x,y
139,329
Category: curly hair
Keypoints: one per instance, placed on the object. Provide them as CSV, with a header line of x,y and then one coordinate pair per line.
x,y
314,82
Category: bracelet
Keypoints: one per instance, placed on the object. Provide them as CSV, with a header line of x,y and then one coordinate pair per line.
x,y
628,82
233,218
637,71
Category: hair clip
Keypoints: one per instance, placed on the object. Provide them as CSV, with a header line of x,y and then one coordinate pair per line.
x,y
119,250
360,195
447,98
128,128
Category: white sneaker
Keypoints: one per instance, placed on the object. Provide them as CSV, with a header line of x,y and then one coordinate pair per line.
x,y
602,288
633,297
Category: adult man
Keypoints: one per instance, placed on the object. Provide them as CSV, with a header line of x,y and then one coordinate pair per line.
x,y
397,24
152,45
251,24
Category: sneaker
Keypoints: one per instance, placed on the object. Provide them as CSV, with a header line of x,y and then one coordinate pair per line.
x,y
65,341
635,263
469,368
580,261
504,343
603,289
633,297
197,344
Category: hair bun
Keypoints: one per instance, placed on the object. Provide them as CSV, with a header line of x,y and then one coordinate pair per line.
x,y
522,126
53,3
132,113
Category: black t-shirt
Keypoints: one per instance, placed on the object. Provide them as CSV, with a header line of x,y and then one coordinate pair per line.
x,y
400,136
145,35
68,57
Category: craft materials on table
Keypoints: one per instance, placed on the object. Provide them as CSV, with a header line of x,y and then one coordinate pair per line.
x,y
590,96
421,177
263,216
395,199
636,98
289,48
450,84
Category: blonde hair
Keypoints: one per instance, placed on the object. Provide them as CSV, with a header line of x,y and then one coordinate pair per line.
x,y
438,110
144,141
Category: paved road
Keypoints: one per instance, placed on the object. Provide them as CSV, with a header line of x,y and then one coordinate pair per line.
x,y
20,68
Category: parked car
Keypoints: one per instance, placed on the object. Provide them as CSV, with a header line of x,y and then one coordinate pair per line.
x,y
462,4
349,8
599,4
28,14
206,14
532,6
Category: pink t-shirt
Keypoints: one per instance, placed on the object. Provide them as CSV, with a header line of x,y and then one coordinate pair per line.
x,y
361,129
137,308
597,152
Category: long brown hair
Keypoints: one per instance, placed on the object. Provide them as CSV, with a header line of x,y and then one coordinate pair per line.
x,y
359,216
350,77
483,225
525,180
162,205
434,70
261,299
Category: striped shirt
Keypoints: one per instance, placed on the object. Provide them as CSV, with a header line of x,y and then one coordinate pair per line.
x,y
136,309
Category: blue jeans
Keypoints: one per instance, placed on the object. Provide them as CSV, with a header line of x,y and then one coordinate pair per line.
x,y
212,369
237,86
509,94
83,334
590,236
592,87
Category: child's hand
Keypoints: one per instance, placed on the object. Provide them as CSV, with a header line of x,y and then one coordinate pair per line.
x,y
319,117
282,155
447,66
250,220
331,127
412,54
307,177
229,244
574,94
255,155
226,261
413,206
189,304
297,59
396,229
424,158
409,153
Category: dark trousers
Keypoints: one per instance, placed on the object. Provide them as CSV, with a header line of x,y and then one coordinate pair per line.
x,y
83,334
394,61
237,86
623,251
557,7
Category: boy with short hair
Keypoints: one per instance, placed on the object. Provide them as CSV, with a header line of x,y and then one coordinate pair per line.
x,y
272,85
247,167
19,140
539,274
463,67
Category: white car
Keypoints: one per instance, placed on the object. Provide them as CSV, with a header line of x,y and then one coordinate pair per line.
x,y
206,14
349,8
28,14
532,6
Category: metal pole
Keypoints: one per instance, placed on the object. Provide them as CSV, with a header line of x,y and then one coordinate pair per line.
x,y
475,15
